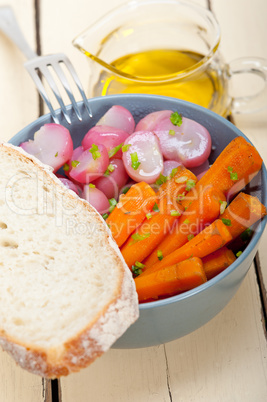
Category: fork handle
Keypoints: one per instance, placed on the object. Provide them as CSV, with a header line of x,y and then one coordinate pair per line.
x,y
9,25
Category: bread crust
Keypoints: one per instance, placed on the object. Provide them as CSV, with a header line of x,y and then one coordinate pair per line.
x,y
97,337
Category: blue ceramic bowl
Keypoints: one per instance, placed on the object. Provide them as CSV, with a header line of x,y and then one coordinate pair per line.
x,y
165,320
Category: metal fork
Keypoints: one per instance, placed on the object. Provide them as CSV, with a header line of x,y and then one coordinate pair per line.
x,y
40,65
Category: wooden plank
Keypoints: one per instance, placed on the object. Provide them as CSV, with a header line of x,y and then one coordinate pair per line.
x,y
19,106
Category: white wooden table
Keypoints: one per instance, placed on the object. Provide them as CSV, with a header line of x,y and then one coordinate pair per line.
x,y
226,360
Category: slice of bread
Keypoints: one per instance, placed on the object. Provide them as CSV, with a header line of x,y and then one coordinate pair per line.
x,y
66,293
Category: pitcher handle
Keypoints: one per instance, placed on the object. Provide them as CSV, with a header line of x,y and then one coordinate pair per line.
x,y
253,103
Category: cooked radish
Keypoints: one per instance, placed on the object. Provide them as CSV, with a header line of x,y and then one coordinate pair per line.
x,y
188,143
118,117
113,180
52,145
96,198
168,167
90,165
70,185
109,136
142,157
149,122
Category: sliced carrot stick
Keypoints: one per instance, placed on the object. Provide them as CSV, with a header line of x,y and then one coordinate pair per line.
x,y
218,261
204,210
150,233
171,280
213,237
178,185
236,166
242,212
131,211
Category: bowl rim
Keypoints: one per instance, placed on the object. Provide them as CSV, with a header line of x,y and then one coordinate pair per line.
x,y
209,113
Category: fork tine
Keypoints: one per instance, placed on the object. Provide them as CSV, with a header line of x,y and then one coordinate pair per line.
x,y
65,83
41,89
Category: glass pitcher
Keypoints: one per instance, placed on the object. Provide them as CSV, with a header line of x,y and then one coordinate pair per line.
x,y
166,47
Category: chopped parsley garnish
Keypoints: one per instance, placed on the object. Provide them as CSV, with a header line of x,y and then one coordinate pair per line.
x,y
227,222
155,207
190,184
149,215
110,169
238,254
233,176
171,132
135,162
137,237
126,147
176,119
114,150
230,169
181,179
125,190
246,235
56,154
91,185
162,179
112,203
187,221
222,206
94,151
190,237
74,164
66,167
137,269
159,255
175,213
104,216
173,172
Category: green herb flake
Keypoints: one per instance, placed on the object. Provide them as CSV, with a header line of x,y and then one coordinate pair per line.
x,y
136,271
230,169
190,237
137,237
91,185
238,254
187,221
135,162
74,164
233,176
227,222
125,190
155,207
125,147
95,152
175,213
66,167
112,203
56,154
176,119
159,255
139,265
104,216
173,172
181,197
246,235
172,132
114,150
190,184
149,215
223,206
162,179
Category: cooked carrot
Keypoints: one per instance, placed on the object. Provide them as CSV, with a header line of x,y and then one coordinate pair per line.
x,y
204,210
131,211
150,233
218,261
213,237
171,280
242,212
236,166
178,185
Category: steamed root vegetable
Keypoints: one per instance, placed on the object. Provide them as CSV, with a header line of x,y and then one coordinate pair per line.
x,y
218,261
171,280
142,157
52,145
169,166
71,186
236,166
119,117
112,138
96,198
90,165
183,140
202,211
210,239
150,233
130,211
150,121
113,179
242,212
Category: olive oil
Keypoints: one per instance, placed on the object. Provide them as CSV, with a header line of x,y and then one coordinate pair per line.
x,y
162,72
